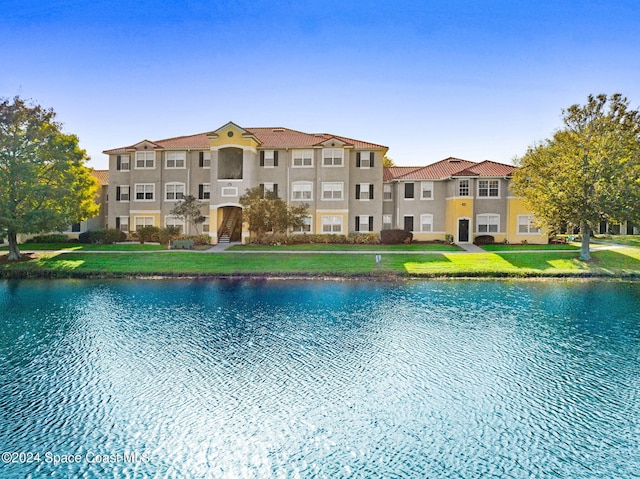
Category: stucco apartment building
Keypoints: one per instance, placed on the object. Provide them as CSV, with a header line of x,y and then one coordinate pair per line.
x,y
341,179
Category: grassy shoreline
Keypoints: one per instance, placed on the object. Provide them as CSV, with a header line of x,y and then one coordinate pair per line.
x,y
619,263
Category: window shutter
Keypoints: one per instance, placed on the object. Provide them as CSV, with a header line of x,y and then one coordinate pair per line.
x,y
275,190
275,158
262,158
118,192
118,162
117,222
371,160
370,223
371,191
358,160
201,192
262,190
201,159
358,191
357,223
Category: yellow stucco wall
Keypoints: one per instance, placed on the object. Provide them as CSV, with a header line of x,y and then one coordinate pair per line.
x,y
157,220
236,140
515,207
418,236
318,221
459,208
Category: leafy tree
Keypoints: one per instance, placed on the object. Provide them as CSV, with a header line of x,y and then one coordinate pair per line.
x,y
190,210
388,161
265,212
44,183
588,172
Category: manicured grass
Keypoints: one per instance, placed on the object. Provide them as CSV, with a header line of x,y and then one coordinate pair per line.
x,y
629,240
529,247
348,247
86,247
619,262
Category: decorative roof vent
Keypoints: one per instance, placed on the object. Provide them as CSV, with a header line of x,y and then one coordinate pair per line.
x,y
278,130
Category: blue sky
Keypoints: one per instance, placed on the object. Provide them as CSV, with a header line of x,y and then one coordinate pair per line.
x,y
478,79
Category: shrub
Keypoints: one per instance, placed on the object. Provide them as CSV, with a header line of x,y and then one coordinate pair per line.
x,y
169,233
51,238
198,240
363,238
395,236
448,238
106,236
484,239
146,234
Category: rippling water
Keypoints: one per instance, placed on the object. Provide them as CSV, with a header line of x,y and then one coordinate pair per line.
x,y
287,379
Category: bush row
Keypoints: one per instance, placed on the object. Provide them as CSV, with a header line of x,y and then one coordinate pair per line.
x,y
395,236
284,239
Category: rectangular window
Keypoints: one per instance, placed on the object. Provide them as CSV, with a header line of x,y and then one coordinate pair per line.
x,y
386,222
303,158
122,223
426,223
229,191
332,191
301,190
488,223
145,191
489,188
204,159
364,191
268,158
174,191
269,187
364,223
204,191
175,159
171,220
205,225
408,191
143,221
526,225
364,159
426,190
75,228
122,193
332,224
123,162
145,160
463,187
306,226
408,223
388,193
332,157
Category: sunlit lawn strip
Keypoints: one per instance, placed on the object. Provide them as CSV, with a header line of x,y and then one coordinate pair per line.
x,y
529,247
347,247
628,240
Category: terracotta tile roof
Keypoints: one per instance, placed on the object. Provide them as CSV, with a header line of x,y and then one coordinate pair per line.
x,y
447,168
274,137
102,176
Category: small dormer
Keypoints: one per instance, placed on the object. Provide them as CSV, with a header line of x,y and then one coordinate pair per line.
x,y
232,134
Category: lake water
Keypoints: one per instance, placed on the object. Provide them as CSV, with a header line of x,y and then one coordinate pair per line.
x,y
198,379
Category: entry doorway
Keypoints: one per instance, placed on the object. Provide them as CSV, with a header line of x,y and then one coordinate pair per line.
x,y
463,230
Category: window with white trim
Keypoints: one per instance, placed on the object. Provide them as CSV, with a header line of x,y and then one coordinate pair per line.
x,y
175,159
332,157
388,193
302,158
122,223
123,162
364,223
229,191
145,160
364,191
171,220
145,191
174,191
301,190
205,225
426,190
463,187
269,159
204,159
527,225
488,223
141,221
489,188
306,226
363,159
387,222
204,191
332,224
426,223
332,191
123,193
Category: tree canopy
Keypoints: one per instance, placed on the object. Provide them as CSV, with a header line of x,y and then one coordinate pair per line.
x,y
388,161
190,210
265,212
588,172
44,182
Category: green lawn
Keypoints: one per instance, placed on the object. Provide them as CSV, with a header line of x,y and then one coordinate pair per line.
x,y
348,247
86,247
529,247
623,261
629,240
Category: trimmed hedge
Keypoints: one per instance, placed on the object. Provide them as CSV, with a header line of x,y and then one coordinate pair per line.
x,y
52,238
104,236
484,239
284,239
395,236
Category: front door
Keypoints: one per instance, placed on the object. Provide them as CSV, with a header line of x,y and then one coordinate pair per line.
x,y
463,231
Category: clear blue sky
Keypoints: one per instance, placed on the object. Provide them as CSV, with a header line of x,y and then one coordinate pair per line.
x,y
476,79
